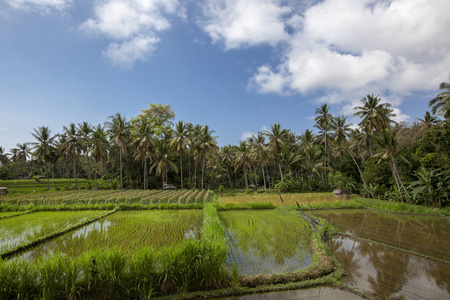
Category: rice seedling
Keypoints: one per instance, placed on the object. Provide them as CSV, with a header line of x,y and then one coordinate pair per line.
x,y
128,231
199,197
191,197
25,228
9,214
419,234
267,241
289,198
182,198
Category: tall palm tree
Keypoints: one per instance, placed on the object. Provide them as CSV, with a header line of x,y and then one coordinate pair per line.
x,y
118,131
63,153
323,121
74,146
288,158
441,103
261,152
163,156
391,152
307,139
276,140
429,120
180,142
99,147
144,143
207,145
4,157
311,162
43,147
21,153
243,160
226,154
85,130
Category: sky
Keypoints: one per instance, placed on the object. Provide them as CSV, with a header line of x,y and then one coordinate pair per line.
x,y
236,66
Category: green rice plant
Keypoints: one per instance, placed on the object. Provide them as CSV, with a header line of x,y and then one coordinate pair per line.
x,y
182,198
244,206
143,275
199,197
289,198
191,197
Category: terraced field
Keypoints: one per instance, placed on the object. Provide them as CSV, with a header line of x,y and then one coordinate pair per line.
x,y
127,231
266,241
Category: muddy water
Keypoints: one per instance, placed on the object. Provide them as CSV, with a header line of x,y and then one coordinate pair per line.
x,y
385,273
324,293
426,235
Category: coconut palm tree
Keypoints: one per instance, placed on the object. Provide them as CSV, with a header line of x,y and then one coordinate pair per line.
x,y
180,142
311,161
207,146
261,153
99,147
163,156
226,155
429,120
21,153
307,139
74,146
276,141
391,152
63,153
43,148
288,157
243,159
441,103
4,157
85,130
323,121
118,131
144,143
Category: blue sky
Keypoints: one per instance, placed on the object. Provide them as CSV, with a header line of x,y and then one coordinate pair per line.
x,y
237,66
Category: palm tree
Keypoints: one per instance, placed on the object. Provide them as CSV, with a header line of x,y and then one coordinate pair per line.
x,y
74,146
389,142
180,142
99,147
207,145
288,158
323,121
4,159
21,153
306,140
44,147
163,156
261,153
243,160
441,103
85,130
429,120
144,143
227,159
63,152
276,140
311,162
118,130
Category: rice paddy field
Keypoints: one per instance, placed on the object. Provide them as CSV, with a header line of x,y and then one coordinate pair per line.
x,y
126,231
22,229
415,233
109,197
266,241
288,198
8,214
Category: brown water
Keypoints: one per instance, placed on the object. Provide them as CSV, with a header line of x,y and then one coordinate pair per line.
x,y
385,273
426,235
324,293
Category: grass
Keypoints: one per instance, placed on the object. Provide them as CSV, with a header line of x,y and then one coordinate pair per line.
x,y
127,231
29,227
269,241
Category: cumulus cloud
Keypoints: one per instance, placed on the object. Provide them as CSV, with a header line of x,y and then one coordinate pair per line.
x,y
246,135
245,23
343,50
132,25
43,6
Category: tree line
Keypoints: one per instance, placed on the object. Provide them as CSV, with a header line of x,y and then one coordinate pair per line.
x,y
376,158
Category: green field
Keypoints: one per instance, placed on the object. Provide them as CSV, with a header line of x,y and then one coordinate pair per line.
x,y
25,228
269,241
127,231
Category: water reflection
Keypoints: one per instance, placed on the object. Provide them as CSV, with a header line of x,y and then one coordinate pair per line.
x,y
415,233
386,273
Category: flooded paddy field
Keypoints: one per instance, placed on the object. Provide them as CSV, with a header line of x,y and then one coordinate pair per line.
x,y
28,227
427,235
266,241
385,273
127,231
324,293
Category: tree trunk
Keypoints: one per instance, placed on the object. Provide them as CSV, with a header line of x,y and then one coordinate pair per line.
x,y
203,169
229,178
391,164
281,173
181,167
48,183
89,166
75,170
268,177
360,173
246,180
95,175
399,179
264,177
145,174
195,173
120,167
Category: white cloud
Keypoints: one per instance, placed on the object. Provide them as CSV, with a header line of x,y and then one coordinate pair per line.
x,y
44,6
3,128
343,49
245,23
127,53
246,135
132,25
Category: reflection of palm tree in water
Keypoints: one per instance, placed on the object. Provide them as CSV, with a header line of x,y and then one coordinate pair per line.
x,y
346,257
440,272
